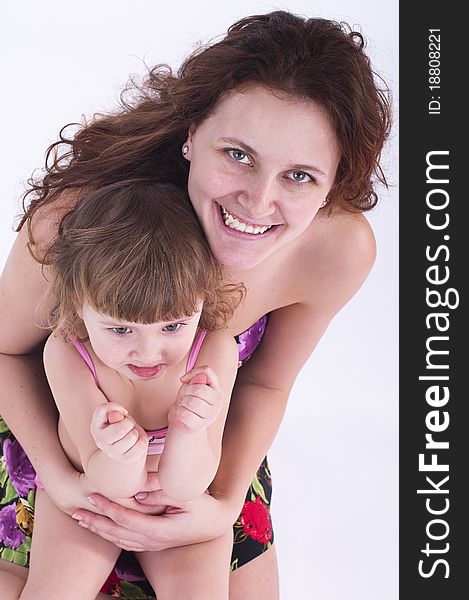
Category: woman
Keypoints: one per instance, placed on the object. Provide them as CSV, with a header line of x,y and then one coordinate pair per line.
x,y
276,131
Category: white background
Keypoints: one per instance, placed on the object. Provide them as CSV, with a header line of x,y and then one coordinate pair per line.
x,y
334,461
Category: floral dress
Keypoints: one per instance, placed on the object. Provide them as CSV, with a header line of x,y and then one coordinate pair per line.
x,y
253,532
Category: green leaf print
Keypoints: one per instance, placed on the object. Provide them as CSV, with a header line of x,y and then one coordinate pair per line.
x,y
20,558
26,545
7,554
31,498
3,471
9,494
234,564
3,426
132,592
257,487
15,556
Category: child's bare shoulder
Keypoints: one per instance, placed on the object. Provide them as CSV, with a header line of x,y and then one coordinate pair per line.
x,y
218,346
57,350
62,362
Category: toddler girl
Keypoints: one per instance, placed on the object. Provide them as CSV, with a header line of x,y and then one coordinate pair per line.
x,y
141,372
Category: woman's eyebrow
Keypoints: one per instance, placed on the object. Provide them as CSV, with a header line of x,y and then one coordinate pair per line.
x,y
315,170
239,143
235,142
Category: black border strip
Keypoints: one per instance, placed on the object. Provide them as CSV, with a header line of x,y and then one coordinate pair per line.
x,y
432,123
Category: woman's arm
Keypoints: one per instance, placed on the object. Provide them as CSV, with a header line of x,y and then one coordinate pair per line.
x,y
331,272
196,421
26,403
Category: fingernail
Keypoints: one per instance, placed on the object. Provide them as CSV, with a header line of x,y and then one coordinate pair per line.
x,y
91,500
141,496
82,524
77,516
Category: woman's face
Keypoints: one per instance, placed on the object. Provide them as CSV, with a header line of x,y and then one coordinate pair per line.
x,y
261,165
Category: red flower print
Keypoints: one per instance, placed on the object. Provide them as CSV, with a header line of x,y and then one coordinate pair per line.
x,y
112,586
255,520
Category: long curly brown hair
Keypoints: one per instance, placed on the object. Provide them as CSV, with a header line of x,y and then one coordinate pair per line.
x,y
314,58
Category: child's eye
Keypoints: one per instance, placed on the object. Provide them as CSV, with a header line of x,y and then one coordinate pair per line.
x,y
173,327
121,330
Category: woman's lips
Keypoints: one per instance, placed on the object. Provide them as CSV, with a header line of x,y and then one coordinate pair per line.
x,y
241,234
145,372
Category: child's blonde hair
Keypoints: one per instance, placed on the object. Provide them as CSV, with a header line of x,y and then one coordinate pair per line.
x,y
135,250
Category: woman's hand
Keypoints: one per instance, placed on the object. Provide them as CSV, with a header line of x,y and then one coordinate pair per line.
x,y
70,492
197,521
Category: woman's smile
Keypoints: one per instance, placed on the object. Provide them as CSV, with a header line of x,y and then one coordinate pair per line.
x,y
233,224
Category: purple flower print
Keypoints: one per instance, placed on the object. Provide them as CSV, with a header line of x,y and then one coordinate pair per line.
x,y
127,568
20,470
10,534
250,339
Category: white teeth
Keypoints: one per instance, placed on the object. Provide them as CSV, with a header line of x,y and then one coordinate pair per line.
x,y
233,223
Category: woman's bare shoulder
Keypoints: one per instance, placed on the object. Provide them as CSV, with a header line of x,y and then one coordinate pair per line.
x,y
44,223
340,251
23,282
339,242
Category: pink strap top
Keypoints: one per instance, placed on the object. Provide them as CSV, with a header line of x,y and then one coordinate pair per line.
x,y
157,436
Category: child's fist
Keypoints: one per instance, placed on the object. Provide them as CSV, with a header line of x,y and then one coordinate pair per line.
x,y
199,401
117,434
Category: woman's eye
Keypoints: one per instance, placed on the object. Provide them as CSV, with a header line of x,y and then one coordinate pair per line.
x,y
173,327
239,156
300,177
121,330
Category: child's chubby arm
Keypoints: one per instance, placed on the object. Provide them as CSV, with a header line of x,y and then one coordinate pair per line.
x,y
196,421
111,446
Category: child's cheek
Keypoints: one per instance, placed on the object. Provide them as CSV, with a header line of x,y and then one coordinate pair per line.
x,y
109,352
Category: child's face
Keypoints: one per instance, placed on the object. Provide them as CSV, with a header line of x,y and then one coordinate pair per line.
x,y
138,351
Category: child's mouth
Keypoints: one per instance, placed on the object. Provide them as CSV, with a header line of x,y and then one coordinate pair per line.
x,y
145,372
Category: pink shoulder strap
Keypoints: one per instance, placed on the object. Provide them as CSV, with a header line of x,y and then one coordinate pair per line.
x,y
196,346
83,352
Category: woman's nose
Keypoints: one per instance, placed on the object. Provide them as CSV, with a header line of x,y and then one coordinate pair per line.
x,y
260,199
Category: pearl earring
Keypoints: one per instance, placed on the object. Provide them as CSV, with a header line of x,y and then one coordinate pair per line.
x,y
324,202
185,150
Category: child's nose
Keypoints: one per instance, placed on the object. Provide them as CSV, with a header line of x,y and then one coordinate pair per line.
x,y
148,354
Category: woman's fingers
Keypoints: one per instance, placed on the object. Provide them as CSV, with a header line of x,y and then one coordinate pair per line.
x,y
200,520
117,541
123,527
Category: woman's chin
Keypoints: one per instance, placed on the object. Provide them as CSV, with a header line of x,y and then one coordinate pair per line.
x,y
238,260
